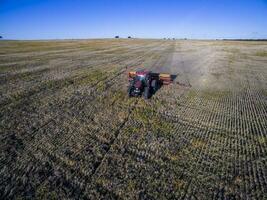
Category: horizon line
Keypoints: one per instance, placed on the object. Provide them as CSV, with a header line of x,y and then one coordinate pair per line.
x,y
144,38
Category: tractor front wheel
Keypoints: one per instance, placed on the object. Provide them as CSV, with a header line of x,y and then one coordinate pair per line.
x,y
130,92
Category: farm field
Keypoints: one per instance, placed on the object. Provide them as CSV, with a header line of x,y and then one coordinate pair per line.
x,y
69,131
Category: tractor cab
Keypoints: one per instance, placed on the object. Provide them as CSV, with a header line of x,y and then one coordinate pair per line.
x,y
139,83
142,76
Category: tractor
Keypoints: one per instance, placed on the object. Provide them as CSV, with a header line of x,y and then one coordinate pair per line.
x,y
146,83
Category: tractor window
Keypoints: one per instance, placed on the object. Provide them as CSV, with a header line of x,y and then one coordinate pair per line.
x,y
140,78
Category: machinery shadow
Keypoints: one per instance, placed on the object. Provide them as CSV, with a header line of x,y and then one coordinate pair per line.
x,y
161,84
173,77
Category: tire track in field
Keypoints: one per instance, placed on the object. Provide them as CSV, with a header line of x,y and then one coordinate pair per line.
x,y
102,162
117,132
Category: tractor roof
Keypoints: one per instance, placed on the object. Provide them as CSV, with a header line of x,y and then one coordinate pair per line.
x,y
142,72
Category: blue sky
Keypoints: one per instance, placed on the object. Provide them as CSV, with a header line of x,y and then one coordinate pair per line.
x,y
204,19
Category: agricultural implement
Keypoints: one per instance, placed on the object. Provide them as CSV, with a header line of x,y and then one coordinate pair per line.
x,y
146,83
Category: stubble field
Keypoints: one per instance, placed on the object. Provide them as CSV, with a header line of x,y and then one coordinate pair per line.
x,y
69,131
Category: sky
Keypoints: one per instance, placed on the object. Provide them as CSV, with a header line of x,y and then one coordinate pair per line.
x,y
74,19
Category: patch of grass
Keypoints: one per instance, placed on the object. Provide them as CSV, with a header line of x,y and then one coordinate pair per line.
x,y
144,114
262,140
231,50
214,94
197,143
179,184
217,75
91,77
191,94
43,193
5,68
261,53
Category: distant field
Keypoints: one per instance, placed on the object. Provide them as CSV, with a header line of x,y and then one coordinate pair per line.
x,y
69,131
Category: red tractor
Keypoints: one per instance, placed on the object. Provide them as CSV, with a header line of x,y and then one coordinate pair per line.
x,y
146,83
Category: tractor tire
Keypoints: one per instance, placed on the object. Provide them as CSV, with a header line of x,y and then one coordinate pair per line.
x,y
147,93
154,85
130,92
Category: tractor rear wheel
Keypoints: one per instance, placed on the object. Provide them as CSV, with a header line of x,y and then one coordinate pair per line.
x,y
154,85
146,93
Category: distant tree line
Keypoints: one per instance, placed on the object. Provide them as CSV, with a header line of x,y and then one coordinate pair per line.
x,y
244,39
174,39
117,37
